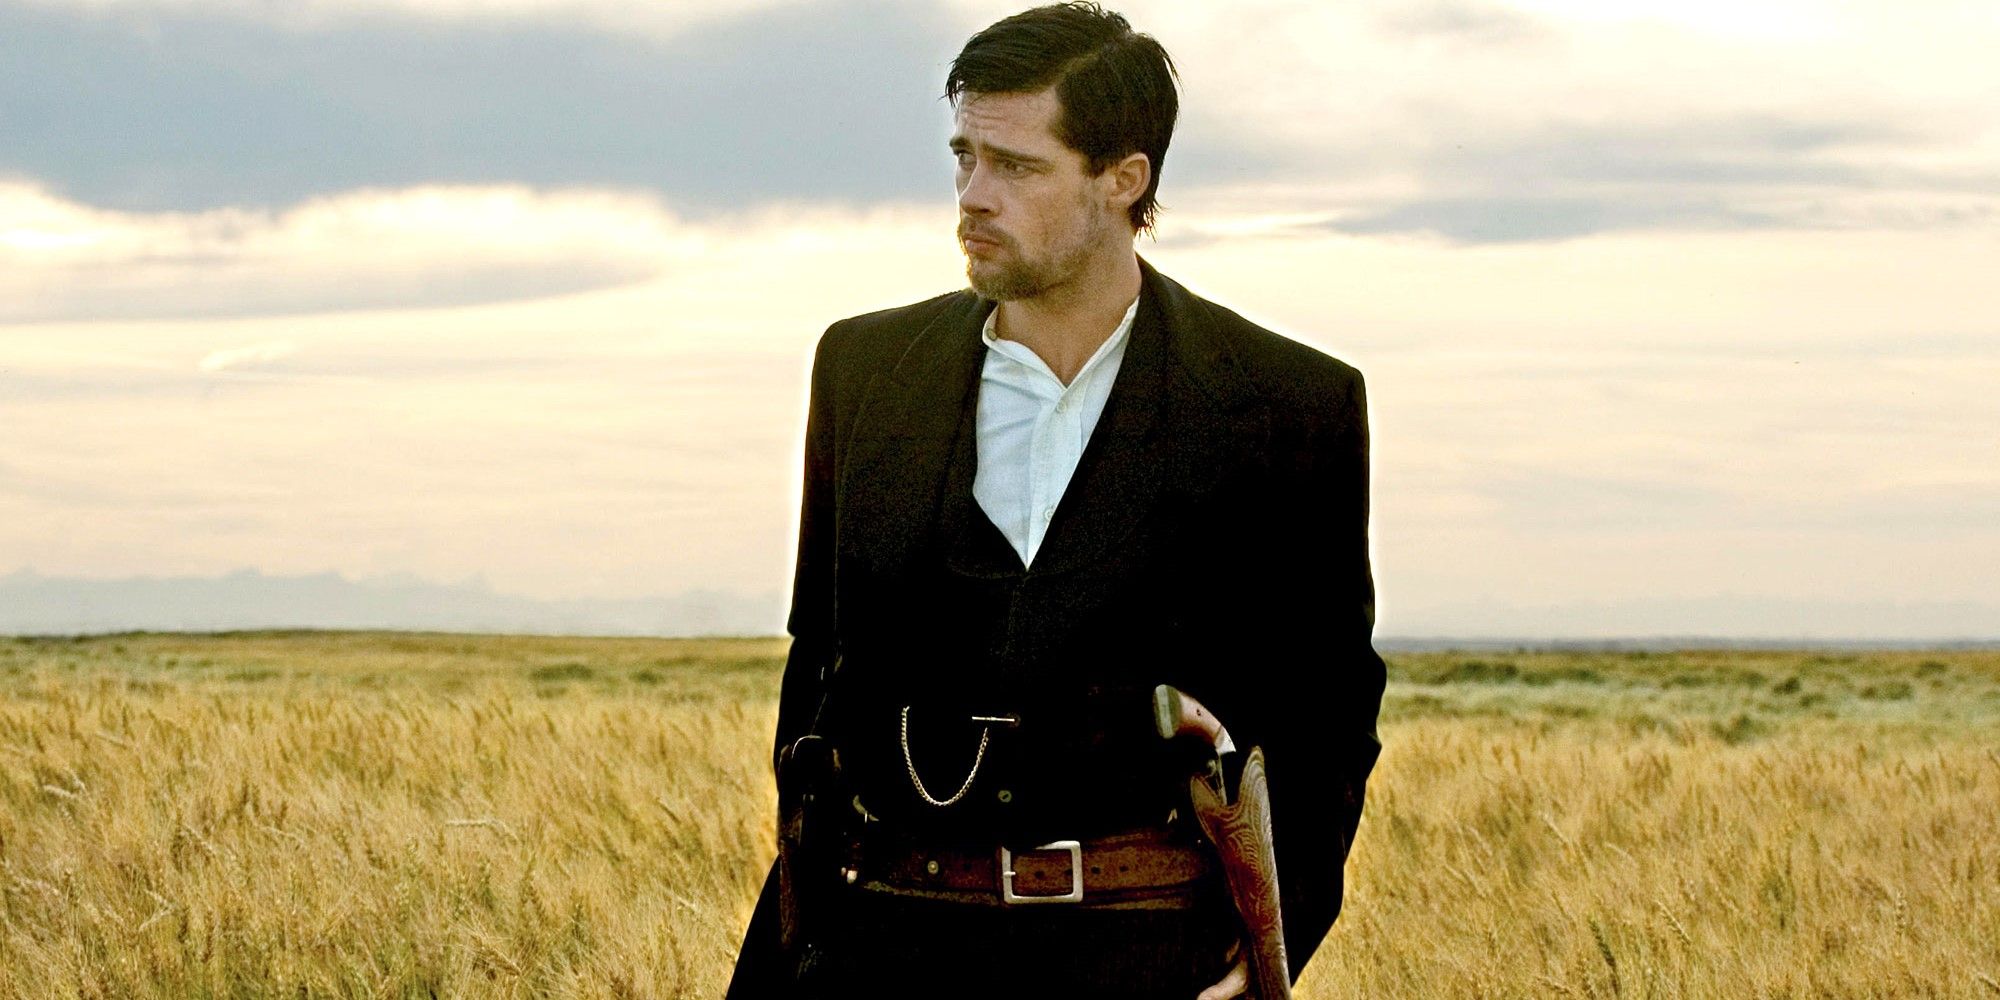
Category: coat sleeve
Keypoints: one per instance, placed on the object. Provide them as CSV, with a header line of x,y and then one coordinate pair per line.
x,y
1319,734
760,972
811,621
760,966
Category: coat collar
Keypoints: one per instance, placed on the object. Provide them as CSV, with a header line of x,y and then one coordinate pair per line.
x,y
1180,411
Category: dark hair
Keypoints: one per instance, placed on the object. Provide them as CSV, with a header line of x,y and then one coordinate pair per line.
x,y
1115,86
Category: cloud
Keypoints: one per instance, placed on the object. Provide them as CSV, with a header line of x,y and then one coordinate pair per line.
x,y
1548,121
1501,219
1477,182
661,20
245,357
1589,419
1584,500
422,247
185,107
1462,21
1474,121
1722,149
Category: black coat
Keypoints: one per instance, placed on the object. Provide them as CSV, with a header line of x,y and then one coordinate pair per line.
x,y
1213,536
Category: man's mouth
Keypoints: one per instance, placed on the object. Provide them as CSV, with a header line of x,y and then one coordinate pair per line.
x,y
975,241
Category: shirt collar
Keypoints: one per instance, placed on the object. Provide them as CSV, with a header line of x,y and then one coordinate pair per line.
x,y
1118,335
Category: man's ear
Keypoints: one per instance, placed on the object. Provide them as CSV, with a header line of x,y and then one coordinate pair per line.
x,y
1126,181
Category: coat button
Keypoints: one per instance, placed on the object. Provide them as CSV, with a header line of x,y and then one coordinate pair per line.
x,y
931,866
1005,796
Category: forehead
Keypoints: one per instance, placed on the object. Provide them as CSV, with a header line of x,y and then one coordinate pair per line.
x,y
1023,121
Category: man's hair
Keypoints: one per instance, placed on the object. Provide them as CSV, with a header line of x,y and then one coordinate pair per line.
x,y
1114,86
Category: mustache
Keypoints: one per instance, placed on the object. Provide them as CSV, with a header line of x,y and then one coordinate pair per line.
x,y
967,231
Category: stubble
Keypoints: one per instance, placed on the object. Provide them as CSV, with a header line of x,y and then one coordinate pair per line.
x,y
1011,275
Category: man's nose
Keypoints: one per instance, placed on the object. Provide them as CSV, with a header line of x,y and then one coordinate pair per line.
x,y
976,193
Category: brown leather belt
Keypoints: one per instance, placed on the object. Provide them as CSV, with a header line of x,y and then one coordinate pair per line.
x,y
1142,869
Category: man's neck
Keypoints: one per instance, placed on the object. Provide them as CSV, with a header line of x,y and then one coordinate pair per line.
x,y
1067,325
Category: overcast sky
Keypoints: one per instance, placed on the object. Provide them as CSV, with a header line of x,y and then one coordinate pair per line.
x,y
1661,305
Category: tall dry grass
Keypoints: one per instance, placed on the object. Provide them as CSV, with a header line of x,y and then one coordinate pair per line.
x,y
389,815
354,815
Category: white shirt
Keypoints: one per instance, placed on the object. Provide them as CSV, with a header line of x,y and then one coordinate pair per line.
x,y
1032,430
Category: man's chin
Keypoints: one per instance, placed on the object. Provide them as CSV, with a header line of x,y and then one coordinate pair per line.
x,y
999,285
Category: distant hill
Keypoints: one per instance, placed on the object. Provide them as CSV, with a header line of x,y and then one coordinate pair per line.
x,y
33,604
247,599
1739,620
1490,644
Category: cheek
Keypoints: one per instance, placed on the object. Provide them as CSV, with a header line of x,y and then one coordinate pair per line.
x,y
1095,206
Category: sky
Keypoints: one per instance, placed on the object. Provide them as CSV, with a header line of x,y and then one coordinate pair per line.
x,y
1676,318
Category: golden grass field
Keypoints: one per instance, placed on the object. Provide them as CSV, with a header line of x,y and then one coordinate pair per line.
x,y
405,815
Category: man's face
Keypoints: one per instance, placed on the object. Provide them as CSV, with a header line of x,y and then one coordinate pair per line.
x,y
1029,215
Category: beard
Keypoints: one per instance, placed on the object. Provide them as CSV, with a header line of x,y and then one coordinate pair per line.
x,y
1008,274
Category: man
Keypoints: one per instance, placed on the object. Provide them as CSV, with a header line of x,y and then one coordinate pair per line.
x,y
1026,506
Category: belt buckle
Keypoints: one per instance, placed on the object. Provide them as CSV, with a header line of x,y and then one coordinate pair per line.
x,y
1075,893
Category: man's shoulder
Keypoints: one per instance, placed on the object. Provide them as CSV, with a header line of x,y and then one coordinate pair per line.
x,y
918,314
1278,367
889,331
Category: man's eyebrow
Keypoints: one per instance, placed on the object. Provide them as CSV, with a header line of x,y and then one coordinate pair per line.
x,y
960,144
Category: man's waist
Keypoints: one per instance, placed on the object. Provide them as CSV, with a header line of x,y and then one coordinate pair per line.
x,y
1015,773
1012,799
1159,867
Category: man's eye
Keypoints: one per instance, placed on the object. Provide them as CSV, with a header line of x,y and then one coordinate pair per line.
x,y
964,160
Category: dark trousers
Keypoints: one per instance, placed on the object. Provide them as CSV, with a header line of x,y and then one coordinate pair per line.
x,y
884,946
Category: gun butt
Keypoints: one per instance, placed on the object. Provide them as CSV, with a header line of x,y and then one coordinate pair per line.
x,y
1176,714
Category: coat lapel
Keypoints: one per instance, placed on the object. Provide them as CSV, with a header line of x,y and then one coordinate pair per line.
x,y
902,438
1179,417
